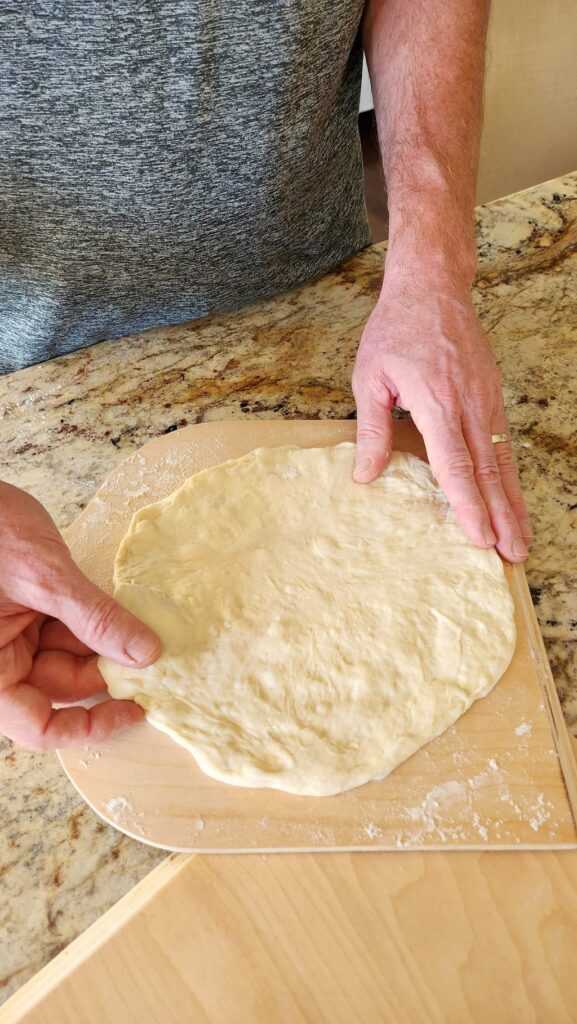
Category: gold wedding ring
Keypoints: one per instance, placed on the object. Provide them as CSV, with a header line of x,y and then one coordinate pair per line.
x,y
496,438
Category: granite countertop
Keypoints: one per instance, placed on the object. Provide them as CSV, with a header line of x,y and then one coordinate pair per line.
x,y
65,424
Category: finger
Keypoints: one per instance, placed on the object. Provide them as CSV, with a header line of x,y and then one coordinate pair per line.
x,y
452,466
510,476
27,718
55,636
99,621
374,433
504,521
65,677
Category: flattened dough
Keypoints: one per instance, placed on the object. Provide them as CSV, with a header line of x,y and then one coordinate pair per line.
x,y
316,632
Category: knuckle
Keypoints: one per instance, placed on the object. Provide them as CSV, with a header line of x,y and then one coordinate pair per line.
x,y
369,432
519,507
370,385
364,389
506,516
459,465
478,397
446,390
488,473
438,414
506,460
101,617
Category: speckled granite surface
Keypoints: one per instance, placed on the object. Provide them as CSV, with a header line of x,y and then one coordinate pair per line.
x,y
65,424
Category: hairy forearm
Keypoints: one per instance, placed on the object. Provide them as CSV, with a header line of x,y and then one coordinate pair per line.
x,y
426,61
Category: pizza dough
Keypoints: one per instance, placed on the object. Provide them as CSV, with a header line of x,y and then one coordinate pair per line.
x,y
316,631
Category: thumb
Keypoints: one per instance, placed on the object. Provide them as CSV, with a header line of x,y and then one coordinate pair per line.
x,y
99,621
374,434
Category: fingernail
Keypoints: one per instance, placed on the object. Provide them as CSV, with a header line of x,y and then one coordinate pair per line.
x,y
489,538
142,647
362,466
518,547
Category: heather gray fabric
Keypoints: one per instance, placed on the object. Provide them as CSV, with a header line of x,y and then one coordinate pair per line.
x,y
161,159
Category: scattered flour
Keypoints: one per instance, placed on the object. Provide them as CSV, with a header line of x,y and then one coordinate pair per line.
x,y
524,729
199,824
92,755
372,831
317,835
507,798
447,807
118,806
447,794
442,813
137,492
486,776
478,780
123,814
481,829
100,511
540,813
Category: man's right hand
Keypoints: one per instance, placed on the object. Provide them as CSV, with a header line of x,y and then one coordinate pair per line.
x,y
53,624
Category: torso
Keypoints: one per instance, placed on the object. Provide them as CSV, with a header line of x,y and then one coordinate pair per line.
x,y
162,160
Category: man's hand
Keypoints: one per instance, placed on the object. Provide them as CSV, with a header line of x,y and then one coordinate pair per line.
x,y
423,349
52,621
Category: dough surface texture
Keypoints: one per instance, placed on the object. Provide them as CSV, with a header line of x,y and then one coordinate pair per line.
x,y
316,632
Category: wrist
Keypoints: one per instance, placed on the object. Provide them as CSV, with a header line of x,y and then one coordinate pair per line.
x,y
431,237
417,275
415,285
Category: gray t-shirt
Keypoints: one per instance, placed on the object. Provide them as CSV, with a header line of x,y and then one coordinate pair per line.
x,y
162,159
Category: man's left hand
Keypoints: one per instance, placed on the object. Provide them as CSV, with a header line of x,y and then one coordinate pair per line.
x,y
424,349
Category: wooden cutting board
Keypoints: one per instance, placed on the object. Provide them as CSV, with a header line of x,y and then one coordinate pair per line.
x,y
494,780
436,938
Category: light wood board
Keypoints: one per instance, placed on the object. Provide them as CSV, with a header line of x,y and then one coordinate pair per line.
x,y
492,780
437,938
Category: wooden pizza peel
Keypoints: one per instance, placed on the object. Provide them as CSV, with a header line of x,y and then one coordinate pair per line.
x,y
502,778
